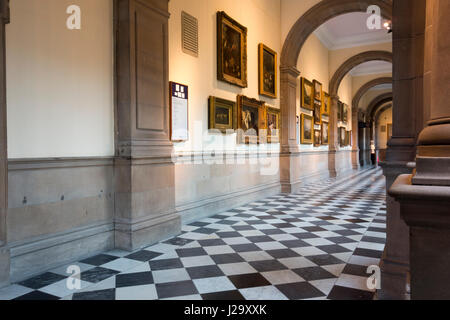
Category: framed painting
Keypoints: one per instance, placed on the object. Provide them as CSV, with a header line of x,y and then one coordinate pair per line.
x,y
231,51
342,135
344,112
267,72
317,113
273,125
348,138
222,114
307,127
339,111
326,104
317,91
317,138
307,92
325,134
251,119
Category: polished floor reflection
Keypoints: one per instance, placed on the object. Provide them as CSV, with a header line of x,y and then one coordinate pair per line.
x,y
316,244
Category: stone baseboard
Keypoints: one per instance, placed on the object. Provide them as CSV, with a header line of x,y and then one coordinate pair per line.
x,y
134,235
204,208
38,255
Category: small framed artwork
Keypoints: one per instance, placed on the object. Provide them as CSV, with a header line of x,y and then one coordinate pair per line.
x,y
326,104
339,111
317,91
267,71
344,112
231,51
179,112
307,127
307,92
222,114
317,138
348,138
317,113
342,135
251,118
325,135
273,125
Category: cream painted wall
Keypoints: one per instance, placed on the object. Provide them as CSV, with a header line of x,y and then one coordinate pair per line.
x,y
59,81
261,17
384,119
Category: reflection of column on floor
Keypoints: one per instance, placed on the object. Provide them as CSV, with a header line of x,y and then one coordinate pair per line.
x,y
4,252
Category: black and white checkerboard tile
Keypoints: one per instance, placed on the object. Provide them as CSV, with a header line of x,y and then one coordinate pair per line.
x,y
316,244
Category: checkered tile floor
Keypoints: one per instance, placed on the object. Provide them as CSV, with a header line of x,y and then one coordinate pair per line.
x,y
316,244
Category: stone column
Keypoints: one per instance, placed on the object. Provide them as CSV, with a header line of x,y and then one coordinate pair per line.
x,y
408,49
333,136
4,250
144,173
425,196
355,140
289,147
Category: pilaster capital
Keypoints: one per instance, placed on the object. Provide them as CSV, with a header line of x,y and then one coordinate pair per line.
x,y
290,71
334,97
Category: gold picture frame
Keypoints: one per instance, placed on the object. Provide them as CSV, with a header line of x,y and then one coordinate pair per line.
x,y
345,113
307,94
317,113
231,51
268,71
317,138
251,115
326,104
273,125
307,129
325,133
317,91
221,114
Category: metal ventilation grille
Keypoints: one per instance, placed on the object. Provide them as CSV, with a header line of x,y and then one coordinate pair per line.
x,y
189,34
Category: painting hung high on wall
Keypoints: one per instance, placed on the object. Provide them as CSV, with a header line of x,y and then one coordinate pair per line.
x,y
307,92
317,91
231,50
273,125
325,137
222,114
326,104
317,138
267,71
307,127
251,118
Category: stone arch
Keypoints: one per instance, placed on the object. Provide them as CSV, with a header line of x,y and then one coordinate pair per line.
x,y
377,103
318,15
366,87
353,62
299,33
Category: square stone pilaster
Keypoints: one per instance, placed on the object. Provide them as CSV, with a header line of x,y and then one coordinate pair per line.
x,y
144,173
